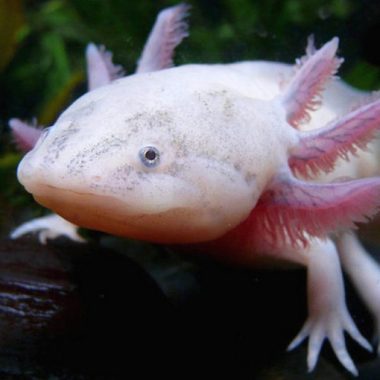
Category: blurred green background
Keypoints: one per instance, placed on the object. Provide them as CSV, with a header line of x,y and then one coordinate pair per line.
x,y
42,45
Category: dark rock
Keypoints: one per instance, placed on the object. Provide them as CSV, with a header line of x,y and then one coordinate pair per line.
x,y
86,312
73,308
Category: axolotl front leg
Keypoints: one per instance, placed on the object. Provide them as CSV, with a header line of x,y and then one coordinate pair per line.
x,y
328,315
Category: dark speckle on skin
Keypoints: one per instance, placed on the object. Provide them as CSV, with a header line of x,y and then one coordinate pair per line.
x,y
94,153
122,181
161,122
59,143
217,95
249,178
174,169
123,172
149,120
228,108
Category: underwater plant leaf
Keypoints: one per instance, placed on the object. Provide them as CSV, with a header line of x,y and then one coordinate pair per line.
x,y
60,99
11,22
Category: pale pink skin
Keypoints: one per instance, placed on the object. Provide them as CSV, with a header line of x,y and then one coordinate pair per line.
x,y
273,214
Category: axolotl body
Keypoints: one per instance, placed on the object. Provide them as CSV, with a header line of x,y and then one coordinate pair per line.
x,y
229,160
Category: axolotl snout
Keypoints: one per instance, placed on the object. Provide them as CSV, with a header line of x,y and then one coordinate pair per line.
x,y
173,156
229,159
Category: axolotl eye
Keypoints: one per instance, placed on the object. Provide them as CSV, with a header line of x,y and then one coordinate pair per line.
x,y
150,156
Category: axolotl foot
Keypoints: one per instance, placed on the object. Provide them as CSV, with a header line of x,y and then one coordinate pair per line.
x,y
48,227
331,326
328,314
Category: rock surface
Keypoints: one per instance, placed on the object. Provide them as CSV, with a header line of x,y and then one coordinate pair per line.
x,y
75,311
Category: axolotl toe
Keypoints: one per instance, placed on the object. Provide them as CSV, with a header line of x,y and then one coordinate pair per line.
x,y
227,159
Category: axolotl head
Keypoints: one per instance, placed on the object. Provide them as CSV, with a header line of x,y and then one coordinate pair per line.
x,y
173,156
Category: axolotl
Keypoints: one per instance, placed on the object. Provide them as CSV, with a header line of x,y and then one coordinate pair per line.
x,y
252,162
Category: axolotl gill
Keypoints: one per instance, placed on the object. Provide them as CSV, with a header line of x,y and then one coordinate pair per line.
x,y
250,162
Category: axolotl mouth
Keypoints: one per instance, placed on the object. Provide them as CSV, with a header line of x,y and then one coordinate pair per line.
x,y
136,214
160,208
110,215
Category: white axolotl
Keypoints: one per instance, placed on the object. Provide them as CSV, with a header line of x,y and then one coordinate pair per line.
x,y
227,159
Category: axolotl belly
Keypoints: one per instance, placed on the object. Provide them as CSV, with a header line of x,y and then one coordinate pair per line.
x,y
229,159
